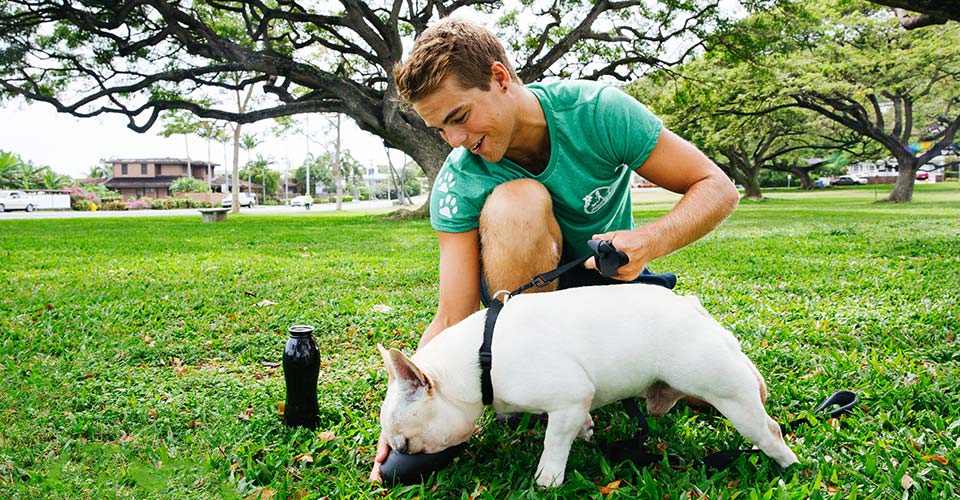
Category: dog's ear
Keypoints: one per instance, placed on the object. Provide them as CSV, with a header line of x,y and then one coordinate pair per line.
x,y
401,369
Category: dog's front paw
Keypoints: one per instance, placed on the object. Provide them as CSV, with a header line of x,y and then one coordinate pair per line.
x,y
548,478
550,481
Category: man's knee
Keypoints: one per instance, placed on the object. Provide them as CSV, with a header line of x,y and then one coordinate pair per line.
x,y
519,236
517,198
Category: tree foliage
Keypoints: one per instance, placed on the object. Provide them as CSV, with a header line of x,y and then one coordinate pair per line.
x,y
140,58
17,173
848,62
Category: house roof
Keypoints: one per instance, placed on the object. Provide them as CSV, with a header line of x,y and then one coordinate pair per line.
x,y
137,182
164,161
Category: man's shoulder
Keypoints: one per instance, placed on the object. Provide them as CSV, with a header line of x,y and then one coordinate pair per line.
x,y
566,93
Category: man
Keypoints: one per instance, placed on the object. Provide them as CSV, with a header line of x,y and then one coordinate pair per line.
x,y
538,170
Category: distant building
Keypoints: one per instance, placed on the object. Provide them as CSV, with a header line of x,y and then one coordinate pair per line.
x,y
151,177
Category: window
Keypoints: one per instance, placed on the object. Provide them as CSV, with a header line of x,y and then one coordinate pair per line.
x,y
123,169
157,170
143,169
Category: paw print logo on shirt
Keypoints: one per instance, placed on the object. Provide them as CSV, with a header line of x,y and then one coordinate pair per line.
x,y
445,182
448,206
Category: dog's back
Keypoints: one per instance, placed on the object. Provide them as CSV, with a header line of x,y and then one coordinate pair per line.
x,y
621,337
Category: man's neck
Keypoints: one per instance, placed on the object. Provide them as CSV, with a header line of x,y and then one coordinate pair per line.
x,y
530,147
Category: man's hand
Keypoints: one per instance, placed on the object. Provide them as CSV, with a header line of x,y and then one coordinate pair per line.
x,y
383,449
631,243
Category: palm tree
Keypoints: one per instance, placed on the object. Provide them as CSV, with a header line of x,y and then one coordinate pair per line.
x,y
29,175
211,132
249,142
9,169
52,180
99,171
181,123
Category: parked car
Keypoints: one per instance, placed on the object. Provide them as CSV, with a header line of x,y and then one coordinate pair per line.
x,y
848,180
245,199
922,176
16,200
822,182
301,201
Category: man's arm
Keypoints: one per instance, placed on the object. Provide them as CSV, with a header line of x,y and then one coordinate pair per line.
x,y
708,198
459,281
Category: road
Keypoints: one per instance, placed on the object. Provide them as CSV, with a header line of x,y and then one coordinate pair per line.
x,y
353,206
645,195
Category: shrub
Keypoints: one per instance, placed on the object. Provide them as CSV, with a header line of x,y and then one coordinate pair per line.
x,y
81,204
189,185
102,192
82,200
114,205
138,205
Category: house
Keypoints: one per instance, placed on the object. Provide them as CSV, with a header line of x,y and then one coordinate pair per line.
x,y
151,177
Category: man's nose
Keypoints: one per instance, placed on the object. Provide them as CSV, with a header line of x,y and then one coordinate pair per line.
x,y
455,136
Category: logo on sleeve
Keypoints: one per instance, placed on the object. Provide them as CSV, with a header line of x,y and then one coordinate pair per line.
x,y
448,203
596,200
448,206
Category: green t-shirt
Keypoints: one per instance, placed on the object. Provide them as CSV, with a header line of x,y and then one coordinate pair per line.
x,y
598,135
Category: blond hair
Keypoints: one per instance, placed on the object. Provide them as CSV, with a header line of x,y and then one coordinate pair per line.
x,y
450,47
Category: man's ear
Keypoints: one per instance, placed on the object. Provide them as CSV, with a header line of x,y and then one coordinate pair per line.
x,y
499,75
410,379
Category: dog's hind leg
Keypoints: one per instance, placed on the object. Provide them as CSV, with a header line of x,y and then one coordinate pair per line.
x,y
746,413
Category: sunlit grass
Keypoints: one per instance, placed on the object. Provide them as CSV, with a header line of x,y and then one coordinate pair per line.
x,y
138,355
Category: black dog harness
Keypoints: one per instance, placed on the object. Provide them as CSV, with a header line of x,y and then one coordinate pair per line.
x,y
609,259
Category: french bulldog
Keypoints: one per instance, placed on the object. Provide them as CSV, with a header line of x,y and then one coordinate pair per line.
x,y
565,353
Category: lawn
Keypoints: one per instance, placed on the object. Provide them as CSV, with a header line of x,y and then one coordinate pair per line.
x,y
139,355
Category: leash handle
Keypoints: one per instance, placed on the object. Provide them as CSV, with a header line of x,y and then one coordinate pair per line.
x,y
609,259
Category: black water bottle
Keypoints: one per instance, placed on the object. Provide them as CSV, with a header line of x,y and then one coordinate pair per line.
x,y
301,366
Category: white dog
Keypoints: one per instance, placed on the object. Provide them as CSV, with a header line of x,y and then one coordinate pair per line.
x,y
567,352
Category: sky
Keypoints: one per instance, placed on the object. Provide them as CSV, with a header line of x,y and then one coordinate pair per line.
x,y
69,145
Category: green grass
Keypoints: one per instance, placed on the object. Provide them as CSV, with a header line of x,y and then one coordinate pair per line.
x,y
130,348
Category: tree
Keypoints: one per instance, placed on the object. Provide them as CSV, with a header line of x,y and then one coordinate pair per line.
x,y
931,11
898,88
9,169
139,58
210,131
701,100
249,142
181,122
260,169
189,185
52,180
99,171
848,62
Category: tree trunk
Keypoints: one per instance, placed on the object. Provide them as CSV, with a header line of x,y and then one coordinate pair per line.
x,y
405,131
337,174
236,168
903,189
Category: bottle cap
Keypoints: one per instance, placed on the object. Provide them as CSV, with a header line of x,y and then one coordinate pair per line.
x,y
300,330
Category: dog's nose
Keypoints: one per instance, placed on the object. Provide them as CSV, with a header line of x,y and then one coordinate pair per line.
x,y
401,444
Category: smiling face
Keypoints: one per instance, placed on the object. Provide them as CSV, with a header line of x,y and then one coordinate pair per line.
x,y
480,121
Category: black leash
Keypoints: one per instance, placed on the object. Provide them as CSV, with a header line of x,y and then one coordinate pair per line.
x,y
632,448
